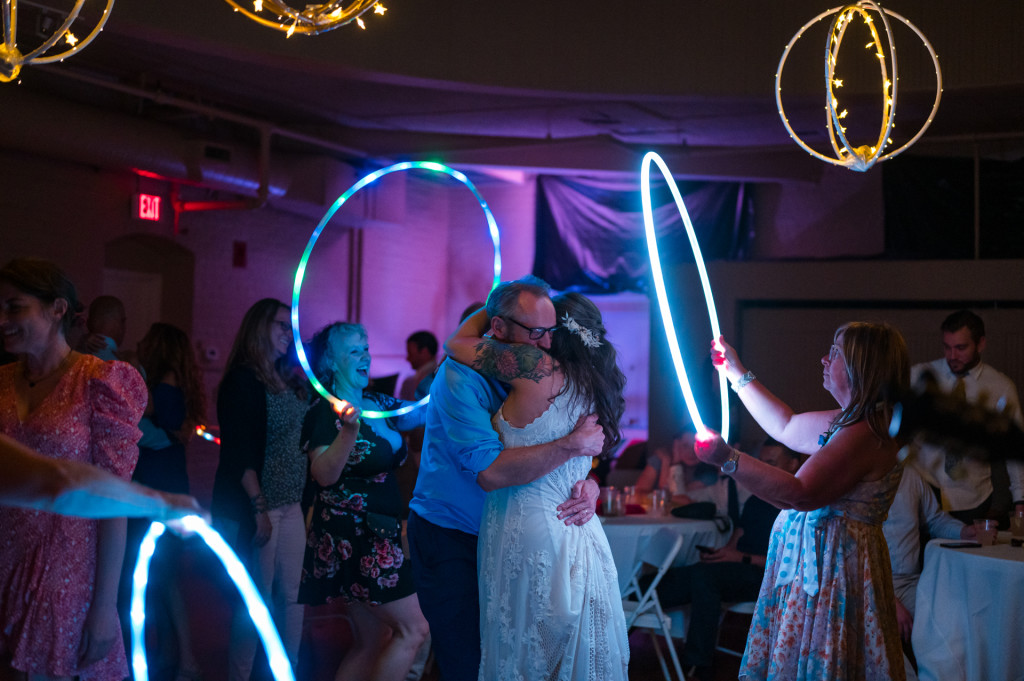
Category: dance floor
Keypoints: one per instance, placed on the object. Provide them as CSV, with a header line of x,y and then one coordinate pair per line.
x,y
326,637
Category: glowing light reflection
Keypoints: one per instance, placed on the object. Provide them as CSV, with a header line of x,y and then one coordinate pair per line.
x,y
659,287
279,664
300,272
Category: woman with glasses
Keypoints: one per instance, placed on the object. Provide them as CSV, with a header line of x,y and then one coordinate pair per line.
x,y
261,475
550,606
826,608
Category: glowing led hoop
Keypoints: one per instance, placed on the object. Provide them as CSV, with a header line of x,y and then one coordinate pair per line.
x,y
279,664
301,271
863,157
659,287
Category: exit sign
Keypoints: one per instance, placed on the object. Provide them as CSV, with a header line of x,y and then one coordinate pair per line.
x,y
146,207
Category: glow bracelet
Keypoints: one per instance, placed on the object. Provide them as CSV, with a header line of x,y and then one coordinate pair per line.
x,y
279,664
300,272
659,287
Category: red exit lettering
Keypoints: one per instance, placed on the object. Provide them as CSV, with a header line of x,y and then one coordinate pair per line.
x,y
148,207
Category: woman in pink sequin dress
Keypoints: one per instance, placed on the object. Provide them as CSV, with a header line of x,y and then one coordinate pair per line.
x,y
58,574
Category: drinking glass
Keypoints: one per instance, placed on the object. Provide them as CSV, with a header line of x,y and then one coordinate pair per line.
x,y
659,502
986,531
1017,524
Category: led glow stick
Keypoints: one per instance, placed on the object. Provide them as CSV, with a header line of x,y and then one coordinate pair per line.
x,y
202,432
300,272
863,157
659,287
279,664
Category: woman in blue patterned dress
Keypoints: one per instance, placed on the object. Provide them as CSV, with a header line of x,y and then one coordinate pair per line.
x,y
826,608
354,546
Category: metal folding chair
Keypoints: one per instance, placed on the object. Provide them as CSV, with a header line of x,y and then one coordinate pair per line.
x,y
642,607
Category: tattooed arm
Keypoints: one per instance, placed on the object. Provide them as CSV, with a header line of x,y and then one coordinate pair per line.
x,y
506,362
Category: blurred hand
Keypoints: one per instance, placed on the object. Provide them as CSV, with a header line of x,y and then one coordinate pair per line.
x,y
582,503
968,532
179,506
725,359
722,555
348,414
711,448
263,530
99,633
904,620
588,437
92,343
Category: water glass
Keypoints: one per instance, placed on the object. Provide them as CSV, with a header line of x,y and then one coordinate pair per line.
x,y
986,531
659,502
611,502
1017,524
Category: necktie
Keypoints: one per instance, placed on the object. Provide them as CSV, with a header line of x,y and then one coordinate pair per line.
x,y
953,459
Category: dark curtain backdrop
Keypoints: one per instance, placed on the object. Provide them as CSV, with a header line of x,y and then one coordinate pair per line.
x,y
590,233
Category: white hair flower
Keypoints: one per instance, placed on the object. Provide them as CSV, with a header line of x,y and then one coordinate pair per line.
x,y
588,337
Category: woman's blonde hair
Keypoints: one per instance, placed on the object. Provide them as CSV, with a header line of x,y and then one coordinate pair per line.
x,y
878,369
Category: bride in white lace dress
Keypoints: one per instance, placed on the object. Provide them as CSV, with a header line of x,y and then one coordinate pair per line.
x,y
549,598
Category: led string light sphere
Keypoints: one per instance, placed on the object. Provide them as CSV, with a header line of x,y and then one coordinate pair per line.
x,y
311,19
12,59
279,664
861,157
300,272
659,287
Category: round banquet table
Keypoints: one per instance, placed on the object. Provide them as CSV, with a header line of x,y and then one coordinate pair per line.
x,y
629,535
970,613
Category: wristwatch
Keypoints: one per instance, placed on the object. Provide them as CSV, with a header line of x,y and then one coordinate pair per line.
x,y
729,467
746,558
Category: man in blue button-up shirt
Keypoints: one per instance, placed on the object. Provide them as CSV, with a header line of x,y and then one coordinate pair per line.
x,y
462,460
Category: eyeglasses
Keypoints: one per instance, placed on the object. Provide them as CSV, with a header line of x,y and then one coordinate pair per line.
x,y
282,326
833,352
536,332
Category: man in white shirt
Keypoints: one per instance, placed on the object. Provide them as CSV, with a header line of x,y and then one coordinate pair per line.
x,y
965,484
914,508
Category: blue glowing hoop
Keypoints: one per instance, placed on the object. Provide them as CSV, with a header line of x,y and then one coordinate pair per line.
x,y
301,271
659,287
279,664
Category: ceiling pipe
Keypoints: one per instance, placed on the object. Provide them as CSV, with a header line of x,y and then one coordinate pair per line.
x,y
262,193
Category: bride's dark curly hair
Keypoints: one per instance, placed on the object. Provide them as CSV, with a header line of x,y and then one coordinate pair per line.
x,y
591,372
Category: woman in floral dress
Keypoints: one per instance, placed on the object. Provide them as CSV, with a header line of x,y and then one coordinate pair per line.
x,y
826,610
354,546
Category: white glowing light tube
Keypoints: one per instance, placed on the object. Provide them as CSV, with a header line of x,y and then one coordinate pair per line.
x,y
279,664
659,287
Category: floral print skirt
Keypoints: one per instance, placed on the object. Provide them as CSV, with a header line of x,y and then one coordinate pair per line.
x,y
346,559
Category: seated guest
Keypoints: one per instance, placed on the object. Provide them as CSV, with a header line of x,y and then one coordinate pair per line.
x,y
731,573
914,509
678,470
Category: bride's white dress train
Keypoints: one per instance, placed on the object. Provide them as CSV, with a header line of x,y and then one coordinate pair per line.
x,y
549,598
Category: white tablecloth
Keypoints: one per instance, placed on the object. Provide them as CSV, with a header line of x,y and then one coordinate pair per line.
x,y
628,537
970,613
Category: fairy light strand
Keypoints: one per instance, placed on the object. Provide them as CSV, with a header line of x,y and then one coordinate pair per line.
x,y
278,659
862,157
300,271
659,287
312,19
12,59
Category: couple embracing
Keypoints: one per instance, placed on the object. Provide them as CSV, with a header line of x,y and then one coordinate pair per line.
x,y
513,422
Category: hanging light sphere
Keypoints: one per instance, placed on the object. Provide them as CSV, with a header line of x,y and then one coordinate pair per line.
x,y
312,19
57,45
863,156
